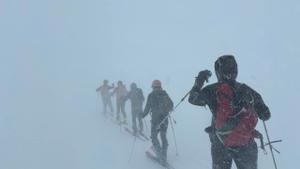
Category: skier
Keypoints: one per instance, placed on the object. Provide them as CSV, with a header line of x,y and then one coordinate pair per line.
x,y
235,111
159,104
120,91
137,98
106,96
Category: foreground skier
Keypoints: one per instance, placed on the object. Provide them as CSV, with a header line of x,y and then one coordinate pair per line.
x,y
159,104
235,108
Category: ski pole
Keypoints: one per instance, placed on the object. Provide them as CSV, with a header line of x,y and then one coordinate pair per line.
x,y
206,79
158,127
174,136
270,145
276,141
97,100
277,151
131,153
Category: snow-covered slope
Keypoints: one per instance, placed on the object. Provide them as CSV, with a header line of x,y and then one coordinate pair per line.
x,y
55,53
193,144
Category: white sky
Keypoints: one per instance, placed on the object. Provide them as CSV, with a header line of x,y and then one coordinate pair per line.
x,y
55,53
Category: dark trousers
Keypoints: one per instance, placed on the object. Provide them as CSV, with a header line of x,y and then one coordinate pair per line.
x,y
136,117
245,157
120,108
161,149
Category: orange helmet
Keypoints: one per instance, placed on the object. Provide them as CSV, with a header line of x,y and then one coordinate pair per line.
x,y
156,83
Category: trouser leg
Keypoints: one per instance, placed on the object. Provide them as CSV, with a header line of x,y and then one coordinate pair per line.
x,y
221,157
154,139
141,126
122,106
134,116
104,103
110,105
163,136
246,157
118,109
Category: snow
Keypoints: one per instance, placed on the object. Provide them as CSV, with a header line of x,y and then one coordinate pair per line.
x,y
54,54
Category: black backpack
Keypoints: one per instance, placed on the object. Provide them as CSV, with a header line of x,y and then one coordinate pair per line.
x,y
164,103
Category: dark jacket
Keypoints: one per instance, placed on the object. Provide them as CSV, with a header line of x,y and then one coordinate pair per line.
x,y
159,104
244,94
137,98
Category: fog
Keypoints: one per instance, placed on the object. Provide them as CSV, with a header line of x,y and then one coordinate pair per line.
x,y
54,54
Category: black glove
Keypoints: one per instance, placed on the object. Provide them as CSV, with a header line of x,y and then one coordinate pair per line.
x,y
264,116
209,129
202,76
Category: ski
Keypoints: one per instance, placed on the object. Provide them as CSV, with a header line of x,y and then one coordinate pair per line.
x,y
153,157
134,135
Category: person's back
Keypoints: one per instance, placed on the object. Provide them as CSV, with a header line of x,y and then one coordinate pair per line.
x,y
106,95
159,104
120,91
235,108
136,97
104,90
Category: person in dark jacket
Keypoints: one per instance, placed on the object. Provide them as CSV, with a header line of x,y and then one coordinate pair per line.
x,y
233,105
159,104
106,96
135,95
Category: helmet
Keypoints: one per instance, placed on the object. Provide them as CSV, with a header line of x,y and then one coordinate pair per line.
x,y
226,68
133,86
156,83
105,81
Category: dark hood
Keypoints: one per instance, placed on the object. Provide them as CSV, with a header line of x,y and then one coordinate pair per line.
x,y
226,68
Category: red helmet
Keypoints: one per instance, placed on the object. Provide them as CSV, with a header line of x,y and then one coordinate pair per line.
x,y
156,83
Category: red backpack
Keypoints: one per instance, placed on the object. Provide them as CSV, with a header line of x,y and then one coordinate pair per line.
x,y
234,124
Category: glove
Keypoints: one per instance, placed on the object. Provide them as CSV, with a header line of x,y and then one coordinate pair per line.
x,y
202,76
209,129
264,116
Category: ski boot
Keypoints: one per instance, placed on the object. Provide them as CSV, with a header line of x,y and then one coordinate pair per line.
x,y
157,151
163,159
